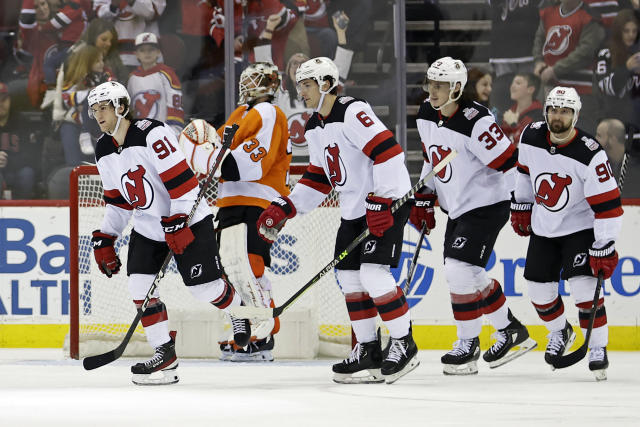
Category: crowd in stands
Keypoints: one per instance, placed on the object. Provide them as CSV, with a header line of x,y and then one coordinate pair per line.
x,y
170,55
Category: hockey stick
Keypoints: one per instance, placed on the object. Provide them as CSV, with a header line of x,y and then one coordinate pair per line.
x,y
414,260
262,313
93,362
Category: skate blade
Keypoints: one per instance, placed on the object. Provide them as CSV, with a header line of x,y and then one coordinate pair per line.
x,y
572,339
373,376
469,368
257,357
600,374
164,377
413,364
522,348
226,356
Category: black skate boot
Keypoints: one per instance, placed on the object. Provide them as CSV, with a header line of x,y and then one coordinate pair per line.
x,y
598,362
256,351
365,359
401,358
559,342
515,335
164,361
462,359
241,331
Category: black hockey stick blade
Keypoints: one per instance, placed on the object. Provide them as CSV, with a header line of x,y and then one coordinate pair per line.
x,y
263,313
93,362
573,358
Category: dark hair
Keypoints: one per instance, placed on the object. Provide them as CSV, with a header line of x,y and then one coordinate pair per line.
x,y
620,52
470,93
532,80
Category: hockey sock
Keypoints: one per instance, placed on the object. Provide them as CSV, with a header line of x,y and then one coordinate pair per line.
x,y
494,305
228,297
467,313
362,312
394,312
600,332
552,314
155,322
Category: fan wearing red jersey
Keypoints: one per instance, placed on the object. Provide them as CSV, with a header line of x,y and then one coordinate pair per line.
x,y
568,202
351,151
474,193
141,168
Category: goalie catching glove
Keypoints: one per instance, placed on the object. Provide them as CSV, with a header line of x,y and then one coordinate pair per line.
x,y
105,253
200,144
379,217
521,217
423,211
605,259
273,218
177,232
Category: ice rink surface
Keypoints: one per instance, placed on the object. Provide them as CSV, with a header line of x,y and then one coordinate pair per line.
x,y
42,388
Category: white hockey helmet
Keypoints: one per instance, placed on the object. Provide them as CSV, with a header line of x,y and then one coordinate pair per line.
x,y
319,69
109,91
448,70
258,80
563,97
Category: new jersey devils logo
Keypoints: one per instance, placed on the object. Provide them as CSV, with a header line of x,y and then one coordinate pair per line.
x,y
557,41
552,191
297,123
436,154
137,189
145,104
337,172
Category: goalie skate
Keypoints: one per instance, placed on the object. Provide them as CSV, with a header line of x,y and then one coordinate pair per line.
x,y
362,366
161,369
598,362
463,358
511,343
255,351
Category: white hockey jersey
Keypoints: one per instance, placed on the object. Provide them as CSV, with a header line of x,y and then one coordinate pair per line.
x,y
156,94
571,186
147,173
475,178
352,152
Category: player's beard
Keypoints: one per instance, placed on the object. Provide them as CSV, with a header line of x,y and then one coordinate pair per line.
x,y
557,126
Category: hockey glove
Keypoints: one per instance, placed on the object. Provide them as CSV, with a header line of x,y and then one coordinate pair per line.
x,y
177,232
605,259
379,218
422,211
273,218
105,253
521,218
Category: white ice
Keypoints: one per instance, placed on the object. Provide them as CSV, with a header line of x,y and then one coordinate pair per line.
x,y
42,388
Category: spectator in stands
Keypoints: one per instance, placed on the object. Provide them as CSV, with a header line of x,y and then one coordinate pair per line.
x,y
564,48
130,18
479,87
360,27
611,135
618,70
203,54
155,88
512,25
320,34
102,34
20,153
525,109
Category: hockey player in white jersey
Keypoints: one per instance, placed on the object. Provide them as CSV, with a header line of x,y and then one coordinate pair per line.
x,y
352,152
568,202
472,190
144,173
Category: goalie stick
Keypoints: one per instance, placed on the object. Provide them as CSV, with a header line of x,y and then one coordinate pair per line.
x,y
93,362
414,260
576,356
260,313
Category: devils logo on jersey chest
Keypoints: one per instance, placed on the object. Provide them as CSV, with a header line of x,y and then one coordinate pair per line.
x,y
337,173
552,190
436,154
137,189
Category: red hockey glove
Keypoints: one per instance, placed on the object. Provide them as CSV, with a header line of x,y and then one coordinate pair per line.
x,y
379,218
422,210
105,253
177,232
605,259
521,218
273,218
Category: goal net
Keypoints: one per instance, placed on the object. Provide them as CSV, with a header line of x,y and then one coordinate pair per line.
x,y
102,310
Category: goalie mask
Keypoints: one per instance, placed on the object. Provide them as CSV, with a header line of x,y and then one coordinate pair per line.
x,y
447,70
258,80
563,97
113,92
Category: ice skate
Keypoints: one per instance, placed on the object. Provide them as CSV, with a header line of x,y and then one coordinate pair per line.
x,y
598,362
255,351
401,358
241,331
362,366
463,358
559,343
514,336
161,369
226,351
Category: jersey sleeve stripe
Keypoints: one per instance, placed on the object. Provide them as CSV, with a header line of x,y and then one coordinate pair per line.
x,y
609,213
315,178
113,197
179,180
604,197
522,168
377,149
506,160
